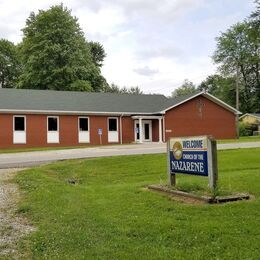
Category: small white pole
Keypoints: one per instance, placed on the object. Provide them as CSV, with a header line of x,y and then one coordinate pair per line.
x,y
121,130
160,130
140,130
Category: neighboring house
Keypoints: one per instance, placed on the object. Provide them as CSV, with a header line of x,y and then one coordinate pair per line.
x,y
251,119
36,118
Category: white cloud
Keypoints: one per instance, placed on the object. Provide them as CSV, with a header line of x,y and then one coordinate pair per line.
x,y
100,23
146,71
150,43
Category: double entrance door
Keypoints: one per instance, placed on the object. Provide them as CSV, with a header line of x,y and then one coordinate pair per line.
x,y
146,131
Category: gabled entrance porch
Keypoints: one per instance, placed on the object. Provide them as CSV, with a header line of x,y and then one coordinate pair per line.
x,y
148,128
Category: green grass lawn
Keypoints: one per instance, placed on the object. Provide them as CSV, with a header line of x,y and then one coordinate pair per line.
x,y
109,215
242,139
34,149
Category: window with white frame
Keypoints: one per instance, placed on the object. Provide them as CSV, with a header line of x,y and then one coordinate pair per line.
x,y
53,136
83,124
19,123
112,124
83,134
52,124
19,130
113,130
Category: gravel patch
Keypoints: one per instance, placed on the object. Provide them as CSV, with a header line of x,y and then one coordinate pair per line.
x,y
12,227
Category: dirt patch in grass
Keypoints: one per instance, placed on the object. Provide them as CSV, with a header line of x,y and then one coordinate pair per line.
x,y
12,227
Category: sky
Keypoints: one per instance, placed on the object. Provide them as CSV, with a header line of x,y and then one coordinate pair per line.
x,y
152,44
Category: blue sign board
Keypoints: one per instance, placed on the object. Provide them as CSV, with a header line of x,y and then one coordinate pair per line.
x,y
188,156
99,131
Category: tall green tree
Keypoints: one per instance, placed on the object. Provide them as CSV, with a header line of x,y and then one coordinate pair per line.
x,y
135,90
97,52
220,87
186,88
238,52
9,64
56,55
113,88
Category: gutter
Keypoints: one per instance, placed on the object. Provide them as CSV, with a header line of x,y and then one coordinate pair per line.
x,y
60,112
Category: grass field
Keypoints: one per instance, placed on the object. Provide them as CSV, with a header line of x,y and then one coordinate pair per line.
x,y
108,214
20,150
242,139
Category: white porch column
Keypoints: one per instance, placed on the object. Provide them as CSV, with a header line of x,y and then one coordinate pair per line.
x,y
160,130
140,130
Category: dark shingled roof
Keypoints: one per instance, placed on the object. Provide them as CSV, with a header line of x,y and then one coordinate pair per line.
x,y
45,101
49,100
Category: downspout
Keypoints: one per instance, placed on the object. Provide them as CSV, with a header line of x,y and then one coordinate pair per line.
x,y
121,130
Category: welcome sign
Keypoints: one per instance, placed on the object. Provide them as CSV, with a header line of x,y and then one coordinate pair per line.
x,y
189,155
193,155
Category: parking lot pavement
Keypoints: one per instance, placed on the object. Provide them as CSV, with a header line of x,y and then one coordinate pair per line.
x,y
26,159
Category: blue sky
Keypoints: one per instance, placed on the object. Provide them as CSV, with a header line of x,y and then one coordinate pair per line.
x,y
149,43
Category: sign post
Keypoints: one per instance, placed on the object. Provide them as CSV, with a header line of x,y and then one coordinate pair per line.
x,y
213,164
172,176
100,135
195,155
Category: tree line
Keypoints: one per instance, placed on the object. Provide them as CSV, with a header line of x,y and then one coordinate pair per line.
x,y
54,54
238,58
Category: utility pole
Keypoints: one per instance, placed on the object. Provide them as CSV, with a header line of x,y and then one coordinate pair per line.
x,y
237,89
237,99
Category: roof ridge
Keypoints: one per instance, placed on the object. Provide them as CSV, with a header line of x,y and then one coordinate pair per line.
x,y
85,92
69,101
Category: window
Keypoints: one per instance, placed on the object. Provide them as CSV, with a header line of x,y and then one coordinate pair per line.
x,y
53,135
52,123
83,124
19,123
19,129
112,124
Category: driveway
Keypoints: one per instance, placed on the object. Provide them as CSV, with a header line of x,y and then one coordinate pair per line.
x,y
12,226
26,159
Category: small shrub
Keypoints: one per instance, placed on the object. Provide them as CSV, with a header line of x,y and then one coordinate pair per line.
x,y
244,129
